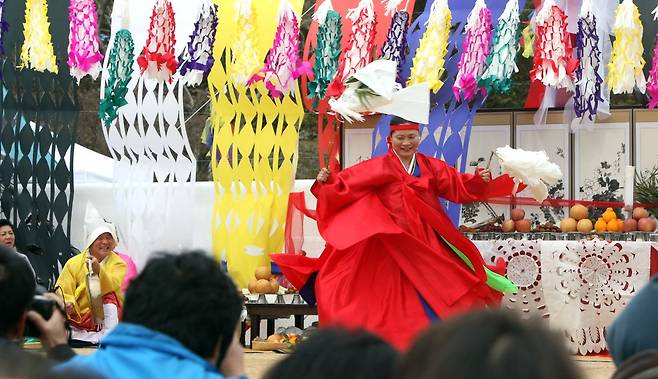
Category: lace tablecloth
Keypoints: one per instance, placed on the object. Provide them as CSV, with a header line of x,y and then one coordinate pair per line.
x,y
578,287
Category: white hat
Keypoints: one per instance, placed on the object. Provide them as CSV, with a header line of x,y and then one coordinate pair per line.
x,y
95,225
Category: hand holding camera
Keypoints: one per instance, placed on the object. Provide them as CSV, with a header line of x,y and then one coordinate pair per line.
x,y
47,320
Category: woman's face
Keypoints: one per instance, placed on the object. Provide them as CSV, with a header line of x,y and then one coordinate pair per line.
x,y
102,246
405,143
7,237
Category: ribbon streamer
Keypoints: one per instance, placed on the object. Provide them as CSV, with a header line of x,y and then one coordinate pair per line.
x,y
587,95
157,60
429,61
396,43
554,64
476,48
120,70
501,63
327,52
37,51
197,60
358,51
84,55
283,65
625,67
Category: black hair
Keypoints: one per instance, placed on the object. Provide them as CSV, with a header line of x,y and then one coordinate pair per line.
x,y
187,297
488,344
16,289
398,121
5,222
336,353
19,363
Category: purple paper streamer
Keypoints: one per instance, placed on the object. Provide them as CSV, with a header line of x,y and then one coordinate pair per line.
x,y
395,45
4,27
447,114
586,103
195,44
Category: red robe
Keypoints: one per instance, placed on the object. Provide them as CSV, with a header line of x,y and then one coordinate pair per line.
x,y
382,228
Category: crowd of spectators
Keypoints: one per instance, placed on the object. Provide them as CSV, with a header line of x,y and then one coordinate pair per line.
x,y
180,318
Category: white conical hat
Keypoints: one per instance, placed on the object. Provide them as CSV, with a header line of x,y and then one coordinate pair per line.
x,y
95,225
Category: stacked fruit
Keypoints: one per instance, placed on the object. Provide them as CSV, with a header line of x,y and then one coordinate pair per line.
x,y
264,281
640,221
608,222
517,223
578,220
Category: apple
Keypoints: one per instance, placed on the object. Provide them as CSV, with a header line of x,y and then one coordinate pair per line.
x,y
518,214
508,226
630,225
639,213
522,226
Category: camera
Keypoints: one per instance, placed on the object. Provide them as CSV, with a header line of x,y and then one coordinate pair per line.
x,y
43,306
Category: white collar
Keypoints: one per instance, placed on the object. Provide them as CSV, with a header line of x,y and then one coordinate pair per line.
x,y
412,164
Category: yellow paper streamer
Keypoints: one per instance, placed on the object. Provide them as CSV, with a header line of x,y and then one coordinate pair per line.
x,y
37,51
430,57
626,62
254,153
248,61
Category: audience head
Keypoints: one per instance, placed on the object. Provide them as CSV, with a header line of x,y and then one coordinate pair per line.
x,y
636,328
7,233
642,365
337,353
494,345
16,291
189,298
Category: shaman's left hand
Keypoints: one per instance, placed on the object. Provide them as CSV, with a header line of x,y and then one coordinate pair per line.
x,y
484,174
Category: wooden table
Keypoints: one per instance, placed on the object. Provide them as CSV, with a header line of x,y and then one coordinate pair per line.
x,y
270,312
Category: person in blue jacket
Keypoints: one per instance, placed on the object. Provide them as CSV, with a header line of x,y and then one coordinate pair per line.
x,y
179,321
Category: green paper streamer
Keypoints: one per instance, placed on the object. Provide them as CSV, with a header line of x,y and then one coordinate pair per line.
x,y
327,51
494,280
501,63
120,69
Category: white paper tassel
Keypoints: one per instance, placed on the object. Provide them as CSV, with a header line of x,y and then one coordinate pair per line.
x,y
532,168
391,6
320,14
353,14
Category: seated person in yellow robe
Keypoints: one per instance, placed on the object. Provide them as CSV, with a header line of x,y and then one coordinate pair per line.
x,y
105,266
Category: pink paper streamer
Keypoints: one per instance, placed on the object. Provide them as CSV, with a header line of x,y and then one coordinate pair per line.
x,y
652,83
283,65
83,52
476,48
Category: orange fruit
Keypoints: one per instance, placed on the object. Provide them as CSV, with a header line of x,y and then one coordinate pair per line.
x,y
612,225
609,215
600,225
620,225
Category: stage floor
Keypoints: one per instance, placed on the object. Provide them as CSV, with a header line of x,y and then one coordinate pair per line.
x,y
257,364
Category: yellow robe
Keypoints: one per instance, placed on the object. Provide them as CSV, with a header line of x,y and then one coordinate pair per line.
x,y
72,281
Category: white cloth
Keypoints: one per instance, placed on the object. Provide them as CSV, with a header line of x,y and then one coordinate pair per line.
x,y
110,322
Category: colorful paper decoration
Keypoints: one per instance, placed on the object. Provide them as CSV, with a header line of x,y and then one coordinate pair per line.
x,y
37,51
429,61
501,63
358,51
477,46
528,35
84,56
245,60
652,83
157,60
625,67
254,151
120,70
554,64
588,93
197,58
4,26
327,51
283,65
395,46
